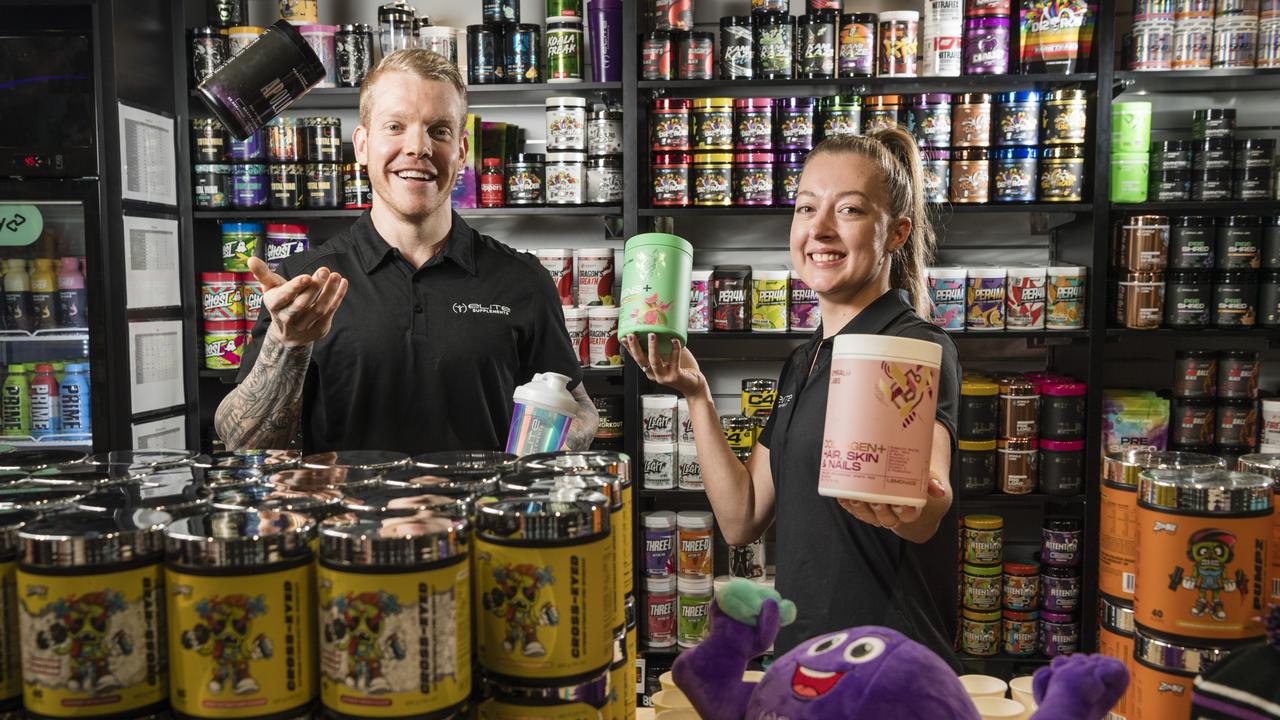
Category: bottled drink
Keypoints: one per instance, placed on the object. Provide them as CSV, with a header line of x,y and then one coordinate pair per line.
x,y
46,413
44,298
73,397
15,402
17,295
71,295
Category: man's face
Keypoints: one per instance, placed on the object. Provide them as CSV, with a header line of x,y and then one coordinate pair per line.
x,y
413,144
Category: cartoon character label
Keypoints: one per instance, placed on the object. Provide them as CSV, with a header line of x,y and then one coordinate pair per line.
x,y
401,649
92,641
545,612
240,646
1208,578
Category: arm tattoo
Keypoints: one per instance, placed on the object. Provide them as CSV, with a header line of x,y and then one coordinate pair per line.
x,y
583,429
265,410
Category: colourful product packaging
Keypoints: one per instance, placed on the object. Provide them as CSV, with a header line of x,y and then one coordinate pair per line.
x,y
655,288
595,277
694,557
985,298
220,296
769,295
699,301
251,294
694,601
283,241
803,313
559,262
544,410
1065,294
239,243
1134,420
660,611
1025,299
881,403
575,322
224,342
947,293
659,544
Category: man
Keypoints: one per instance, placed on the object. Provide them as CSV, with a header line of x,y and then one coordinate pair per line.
x,y
410,330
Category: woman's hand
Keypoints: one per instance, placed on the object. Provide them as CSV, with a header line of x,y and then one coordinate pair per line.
x,y
679,371
890,516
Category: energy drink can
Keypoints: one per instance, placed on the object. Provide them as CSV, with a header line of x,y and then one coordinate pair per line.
x,y
1202,544
241,614
91,614
545,584
395,615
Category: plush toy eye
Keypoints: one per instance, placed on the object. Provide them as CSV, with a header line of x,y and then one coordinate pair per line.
x,y
827,644
864,650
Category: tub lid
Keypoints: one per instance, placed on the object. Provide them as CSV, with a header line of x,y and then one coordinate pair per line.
x,y
380,498
34,459
587,462
545,482
984,522
890,347
695,519
272,496
660,520
978,616
1068,270
335,478
1115,614
11,521
357,459
464,484
982,570
1217,491
240,459
593,691
1063,389
39,496
177,493
1062,445
1025,569
976,445
239,539
712,158
713,103
566,101
565,514
85,538
86,473
153,459
1176,657
1267,464
660,240
978,386
400,539
1123,468
1018,96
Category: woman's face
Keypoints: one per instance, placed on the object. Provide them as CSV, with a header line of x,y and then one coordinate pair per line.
x,y
843,232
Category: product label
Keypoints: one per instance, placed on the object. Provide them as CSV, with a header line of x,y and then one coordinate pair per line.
x,y
536,429
660,611
982,593
699,306
671,131
604,137
45,416
222,301
769,305
566,129
10,657
986,303
842,123
735,52
980,637
879,429
1021,592
659,552
595,279
747,561
564,185
524,187
695,617
237,248
251,291
983,547
92,641
1061,594
1117,541
857,49
241,646
1026,302
1208,574
659,424
1021,636
659,470
671,186
1064,302
393,645
694,558
603,349
223,351
803,311
560,266
773,46
545,611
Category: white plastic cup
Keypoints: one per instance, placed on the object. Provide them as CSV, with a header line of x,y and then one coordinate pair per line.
x,y
1020,690
667,681
998,708
658,418
665,700
881,405
983,686
678,714
602,330
659,466
559,262
575,321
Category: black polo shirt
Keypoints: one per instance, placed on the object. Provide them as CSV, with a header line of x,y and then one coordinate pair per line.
x,y
425,359
840,571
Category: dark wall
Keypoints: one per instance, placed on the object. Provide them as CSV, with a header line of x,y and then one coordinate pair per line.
x,y
142,33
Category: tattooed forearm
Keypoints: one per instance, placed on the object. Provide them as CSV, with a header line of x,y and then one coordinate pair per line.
x,y
265,410
583,429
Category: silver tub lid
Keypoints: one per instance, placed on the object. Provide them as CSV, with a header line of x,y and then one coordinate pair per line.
x,y
564,514
239,539
1214,491
402,539
88,539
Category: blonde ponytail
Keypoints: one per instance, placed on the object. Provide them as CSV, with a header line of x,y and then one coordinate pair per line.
x,y
894,151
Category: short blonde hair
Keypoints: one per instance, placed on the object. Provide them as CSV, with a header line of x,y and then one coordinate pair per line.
x,y
420,62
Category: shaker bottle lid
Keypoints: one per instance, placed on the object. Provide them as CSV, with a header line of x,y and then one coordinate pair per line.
x,y
357,459
382,498
1123,468
272,496
239,539
585,462
385,543
567,514
660,520
695,519
1213,491
984,522
85,538
38,459
542,482
334,478
38,496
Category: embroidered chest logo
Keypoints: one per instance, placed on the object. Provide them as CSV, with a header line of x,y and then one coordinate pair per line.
x,y
784,400
479,309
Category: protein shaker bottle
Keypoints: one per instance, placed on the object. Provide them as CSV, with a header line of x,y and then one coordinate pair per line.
x,y
544,410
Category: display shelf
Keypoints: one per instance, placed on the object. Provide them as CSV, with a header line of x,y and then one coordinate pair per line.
x,y
675,494
229,376
1004,662
478,95
1191,81
970,502
1271,334
548,211
861,86
1202,207
703,337
18,336
942,208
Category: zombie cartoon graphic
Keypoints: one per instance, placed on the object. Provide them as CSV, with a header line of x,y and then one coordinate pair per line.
x,y
79,631
1210,550
515,599
358,627
223,635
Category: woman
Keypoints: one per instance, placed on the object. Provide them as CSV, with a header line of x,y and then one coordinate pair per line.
x,y
861,239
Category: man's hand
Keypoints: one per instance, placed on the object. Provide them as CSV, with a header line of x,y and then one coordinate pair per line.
x,y
302,308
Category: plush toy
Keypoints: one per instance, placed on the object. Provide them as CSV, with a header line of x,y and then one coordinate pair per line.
x,y
866,672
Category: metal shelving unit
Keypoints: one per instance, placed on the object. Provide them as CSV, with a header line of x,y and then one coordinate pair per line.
x,y
941,208
542,211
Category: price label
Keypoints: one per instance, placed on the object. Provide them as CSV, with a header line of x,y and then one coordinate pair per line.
x,y
19,224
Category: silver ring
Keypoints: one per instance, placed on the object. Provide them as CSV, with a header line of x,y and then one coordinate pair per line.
x,y
644,368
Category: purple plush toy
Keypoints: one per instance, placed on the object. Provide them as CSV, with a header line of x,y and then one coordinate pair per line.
x,y
866,672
